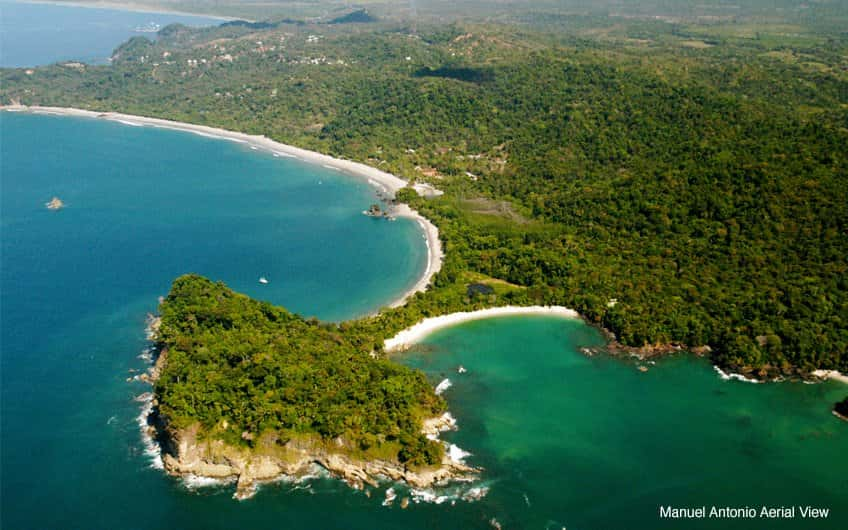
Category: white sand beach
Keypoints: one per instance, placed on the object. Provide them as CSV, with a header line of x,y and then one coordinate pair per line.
x,y
413,334
831,374
385,182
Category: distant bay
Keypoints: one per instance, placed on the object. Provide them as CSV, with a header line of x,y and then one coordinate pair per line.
x,y
39,34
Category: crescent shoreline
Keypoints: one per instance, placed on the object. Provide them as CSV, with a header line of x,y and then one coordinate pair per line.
x,y
414,334
381,180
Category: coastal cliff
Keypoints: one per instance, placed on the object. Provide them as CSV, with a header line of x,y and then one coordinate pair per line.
x,y
184,453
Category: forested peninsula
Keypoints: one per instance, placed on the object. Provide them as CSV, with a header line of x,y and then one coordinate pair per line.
x,y
246,390
680,183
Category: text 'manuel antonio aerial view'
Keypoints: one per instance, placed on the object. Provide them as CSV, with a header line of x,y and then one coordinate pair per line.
x,y
424,264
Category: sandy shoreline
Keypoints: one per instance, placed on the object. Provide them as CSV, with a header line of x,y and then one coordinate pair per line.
x,y
831,374
413,334
386,182
129,6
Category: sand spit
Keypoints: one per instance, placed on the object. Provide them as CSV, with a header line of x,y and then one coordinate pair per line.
x,y
385,182
413,334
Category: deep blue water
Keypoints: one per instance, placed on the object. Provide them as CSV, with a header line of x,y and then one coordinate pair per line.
x,y
37,34
145,205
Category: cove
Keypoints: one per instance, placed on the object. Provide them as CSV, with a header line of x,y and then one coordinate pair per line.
x,y
592,442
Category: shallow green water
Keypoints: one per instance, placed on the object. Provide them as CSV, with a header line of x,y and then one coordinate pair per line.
x,y
591,442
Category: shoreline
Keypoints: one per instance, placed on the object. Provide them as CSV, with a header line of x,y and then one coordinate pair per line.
x,y
179,452
413,334
131,7
831,374
385,182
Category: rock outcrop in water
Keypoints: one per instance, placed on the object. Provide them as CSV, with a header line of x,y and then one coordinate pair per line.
x,y
841,409
55,204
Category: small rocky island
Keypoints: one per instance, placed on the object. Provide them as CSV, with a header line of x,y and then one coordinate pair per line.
x,y
247,391
840,409
375,211
55,204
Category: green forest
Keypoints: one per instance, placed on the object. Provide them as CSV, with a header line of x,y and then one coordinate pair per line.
x,y
676,181
243,368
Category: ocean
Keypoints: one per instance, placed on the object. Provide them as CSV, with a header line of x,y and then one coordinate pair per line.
x,y
38,34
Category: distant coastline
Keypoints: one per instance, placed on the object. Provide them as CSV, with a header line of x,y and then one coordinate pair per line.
x,y
130,6
386,182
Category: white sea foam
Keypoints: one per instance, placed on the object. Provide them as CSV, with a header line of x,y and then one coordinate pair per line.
x,y
456,454
475,494
444,385
430,496
462,492
193,482
151,446
739,377
130,123
144,398
390,497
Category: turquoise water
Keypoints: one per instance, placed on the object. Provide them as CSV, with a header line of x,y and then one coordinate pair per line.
x,y
591,442
145,205
37,34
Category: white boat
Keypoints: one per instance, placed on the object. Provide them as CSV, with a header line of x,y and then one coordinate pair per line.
x,y
263,280
150,27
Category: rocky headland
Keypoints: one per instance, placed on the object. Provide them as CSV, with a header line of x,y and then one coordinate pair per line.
x,y
186,452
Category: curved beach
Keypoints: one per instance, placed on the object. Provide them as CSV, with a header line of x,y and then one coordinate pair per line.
x,y
385,182
413,334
